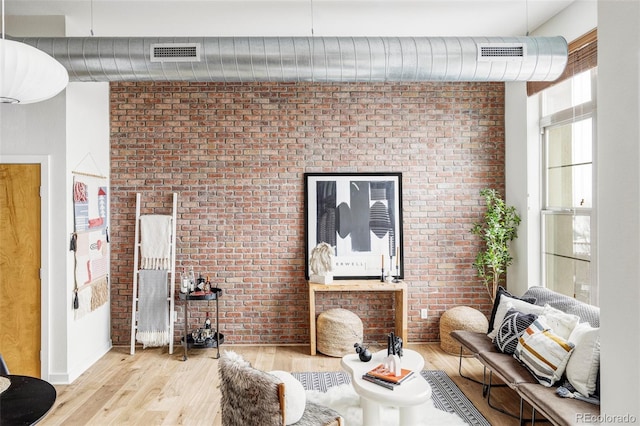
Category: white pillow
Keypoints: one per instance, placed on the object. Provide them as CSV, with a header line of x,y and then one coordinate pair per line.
x,y
560,322
507,303
583,366
295,398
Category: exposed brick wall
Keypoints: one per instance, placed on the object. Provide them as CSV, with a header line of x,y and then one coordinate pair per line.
x,y
236,154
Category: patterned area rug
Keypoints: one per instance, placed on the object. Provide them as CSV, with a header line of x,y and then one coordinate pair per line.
x,y
446,395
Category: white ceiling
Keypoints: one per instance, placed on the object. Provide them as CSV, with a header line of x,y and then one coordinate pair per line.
x,y
291,17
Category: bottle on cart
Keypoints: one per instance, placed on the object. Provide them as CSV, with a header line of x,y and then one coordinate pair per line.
x,y
192,279
184,281
207,322
200,283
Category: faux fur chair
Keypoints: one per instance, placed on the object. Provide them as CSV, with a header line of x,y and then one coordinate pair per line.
x,y
254,397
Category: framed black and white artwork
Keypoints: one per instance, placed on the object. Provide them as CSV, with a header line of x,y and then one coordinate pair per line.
x,y
360,216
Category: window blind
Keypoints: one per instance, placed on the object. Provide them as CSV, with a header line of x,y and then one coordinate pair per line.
x,y
583,55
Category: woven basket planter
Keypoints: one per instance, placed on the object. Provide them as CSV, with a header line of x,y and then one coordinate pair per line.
x,y
338,329
460,318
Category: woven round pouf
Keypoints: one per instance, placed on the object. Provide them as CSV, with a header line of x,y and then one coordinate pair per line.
x,y
460,318
338,329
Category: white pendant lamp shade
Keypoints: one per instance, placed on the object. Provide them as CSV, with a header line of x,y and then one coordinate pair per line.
x,y
28,75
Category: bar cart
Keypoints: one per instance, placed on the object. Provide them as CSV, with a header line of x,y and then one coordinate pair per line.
x,y
202,337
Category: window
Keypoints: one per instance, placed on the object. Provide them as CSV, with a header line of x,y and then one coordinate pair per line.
x,y
568,128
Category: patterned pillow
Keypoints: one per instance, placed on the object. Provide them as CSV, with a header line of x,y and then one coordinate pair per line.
x,y
543,353
507,303
493,323
513,325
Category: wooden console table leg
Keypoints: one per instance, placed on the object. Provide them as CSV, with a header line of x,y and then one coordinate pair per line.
x,y
312,319
401,301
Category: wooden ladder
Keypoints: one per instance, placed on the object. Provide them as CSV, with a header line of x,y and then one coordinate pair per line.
x,y
171,274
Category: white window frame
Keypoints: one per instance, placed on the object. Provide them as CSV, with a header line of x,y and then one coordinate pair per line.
x,y
564,117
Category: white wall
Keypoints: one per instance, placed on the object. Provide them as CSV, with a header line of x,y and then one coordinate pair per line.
x,y
576,20
62,131
618,201
522,175
35,131
87,118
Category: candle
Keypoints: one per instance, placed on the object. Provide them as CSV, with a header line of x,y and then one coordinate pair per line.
x,y
383,261
397,256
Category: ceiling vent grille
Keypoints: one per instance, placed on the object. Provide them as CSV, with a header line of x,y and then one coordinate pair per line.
x,y
175,52
502,52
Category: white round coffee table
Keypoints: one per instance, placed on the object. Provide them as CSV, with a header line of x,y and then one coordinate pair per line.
x,y
407,396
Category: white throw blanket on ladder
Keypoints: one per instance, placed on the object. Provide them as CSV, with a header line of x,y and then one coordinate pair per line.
x,y
153,308
155,241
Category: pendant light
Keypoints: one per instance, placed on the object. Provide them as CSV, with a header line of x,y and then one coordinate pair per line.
x,y
27,74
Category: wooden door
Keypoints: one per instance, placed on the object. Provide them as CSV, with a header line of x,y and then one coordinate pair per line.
x,y
20,267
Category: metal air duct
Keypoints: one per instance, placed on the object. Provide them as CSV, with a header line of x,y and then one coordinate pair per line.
x,y
316,59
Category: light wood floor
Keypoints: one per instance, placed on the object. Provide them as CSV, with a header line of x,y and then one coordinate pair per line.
x,y
155,388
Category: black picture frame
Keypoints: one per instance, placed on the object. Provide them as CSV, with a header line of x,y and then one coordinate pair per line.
x,y
360,216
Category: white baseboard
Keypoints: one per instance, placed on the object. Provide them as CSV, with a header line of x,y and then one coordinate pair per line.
x,y
77,370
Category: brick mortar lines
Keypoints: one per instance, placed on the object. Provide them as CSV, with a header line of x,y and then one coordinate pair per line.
x,y
236,154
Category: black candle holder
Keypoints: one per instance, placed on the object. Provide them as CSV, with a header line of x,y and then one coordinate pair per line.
x,y
397,278
382,275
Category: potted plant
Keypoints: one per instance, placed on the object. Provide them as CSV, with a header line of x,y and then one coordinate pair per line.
x,y
498,228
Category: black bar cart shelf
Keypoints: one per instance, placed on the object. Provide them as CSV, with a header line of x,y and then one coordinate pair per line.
x,y
201,338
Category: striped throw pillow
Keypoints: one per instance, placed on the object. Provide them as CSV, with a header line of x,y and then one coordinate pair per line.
x,y
543,353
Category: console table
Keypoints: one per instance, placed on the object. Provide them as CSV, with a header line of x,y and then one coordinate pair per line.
x,y
400,302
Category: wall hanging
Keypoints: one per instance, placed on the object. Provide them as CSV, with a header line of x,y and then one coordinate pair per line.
x,y
89,242
360,216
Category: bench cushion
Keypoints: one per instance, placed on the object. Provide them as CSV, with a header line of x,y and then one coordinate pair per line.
x,y
474,341
558,410
507,368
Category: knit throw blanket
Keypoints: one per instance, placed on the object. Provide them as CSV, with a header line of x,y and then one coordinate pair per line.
x,y
155,241
153,308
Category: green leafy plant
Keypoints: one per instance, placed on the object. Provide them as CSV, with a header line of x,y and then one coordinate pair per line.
x,y
497,230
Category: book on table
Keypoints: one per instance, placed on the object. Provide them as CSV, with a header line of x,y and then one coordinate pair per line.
x,y
388,376
379,382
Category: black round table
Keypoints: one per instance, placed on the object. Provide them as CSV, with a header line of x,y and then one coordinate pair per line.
x,y
26,401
